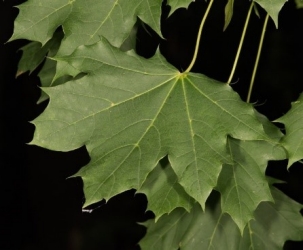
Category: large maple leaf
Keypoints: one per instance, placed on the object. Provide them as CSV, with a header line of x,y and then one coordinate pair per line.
x,y
130,112
273,224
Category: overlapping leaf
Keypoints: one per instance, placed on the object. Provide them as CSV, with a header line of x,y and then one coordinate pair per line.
x,y
33,54
164,192
293,140
274,224
84,21
38,20
130,112
242,184
48,70
299,3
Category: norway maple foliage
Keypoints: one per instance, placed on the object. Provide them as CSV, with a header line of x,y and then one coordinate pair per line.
x,y
130,112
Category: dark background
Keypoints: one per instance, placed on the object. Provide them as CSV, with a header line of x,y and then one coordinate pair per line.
x,y
41,209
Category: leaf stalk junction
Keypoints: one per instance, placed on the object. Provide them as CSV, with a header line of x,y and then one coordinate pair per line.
x,y
199,37
238,50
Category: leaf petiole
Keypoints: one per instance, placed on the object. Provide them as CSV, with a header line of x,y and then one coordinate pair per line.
x,y
257,59
240,44
199,37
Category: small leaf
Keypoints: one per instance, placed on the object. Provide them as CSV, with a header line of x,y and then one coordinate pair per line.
x,y
272,8
164,192
293,140
274,224
46,76
229,9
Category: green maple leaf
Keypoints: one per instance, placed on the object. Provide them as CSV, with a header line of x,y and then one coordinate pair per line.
x,y
164,192
130,112
47,75
83,22
243,184
272,7
274,224
293,140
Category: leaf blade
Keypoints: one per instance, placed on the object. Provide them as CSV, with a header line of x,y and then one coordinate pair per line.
x,y
102,109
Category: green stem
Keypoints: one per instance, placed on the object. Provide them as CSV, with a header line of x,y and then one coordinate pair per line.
x,y
257,59
199,37
240,44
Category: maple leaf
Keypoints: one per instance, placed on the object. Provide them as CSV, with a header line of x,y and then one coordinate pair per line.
x,y
130,112
242,183
274,224
293,140
84,21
